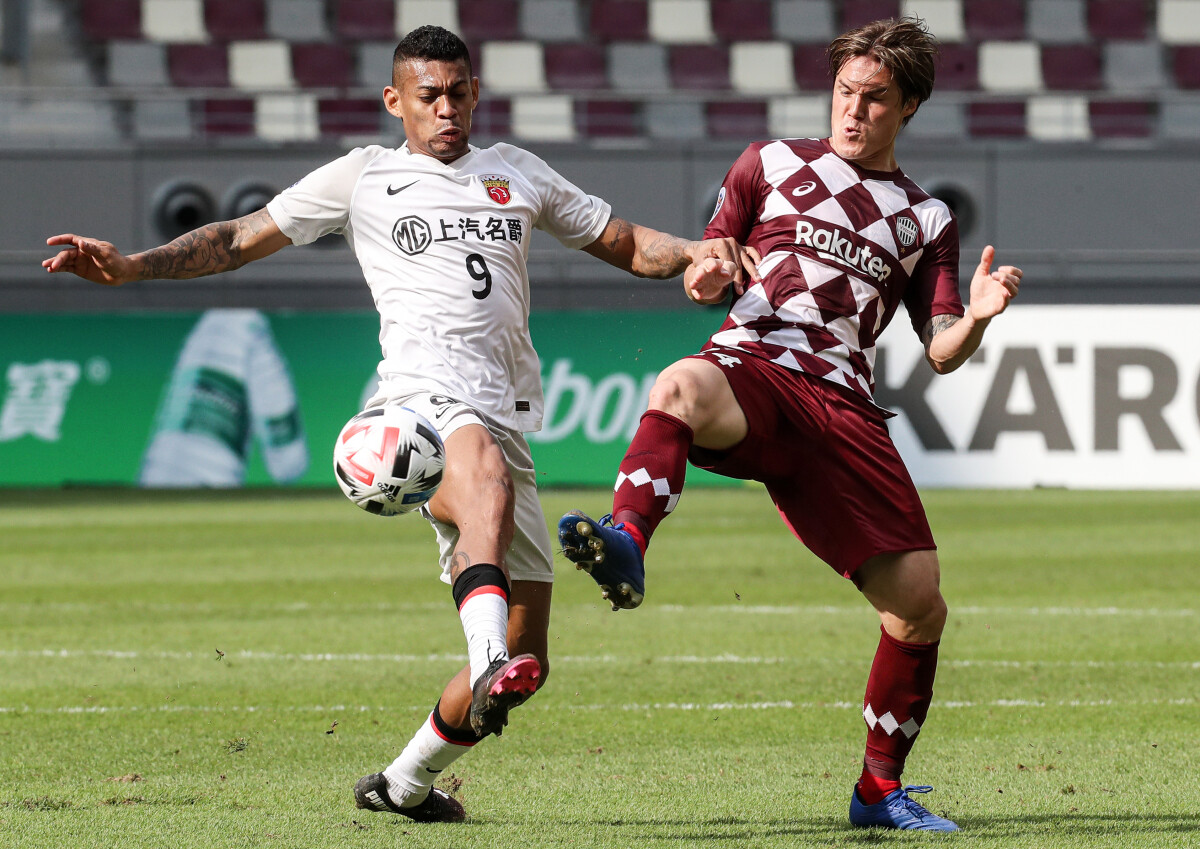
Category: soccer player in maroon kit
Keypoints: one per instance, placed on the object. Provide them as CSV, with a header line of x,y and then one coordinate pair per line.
x,y
782,392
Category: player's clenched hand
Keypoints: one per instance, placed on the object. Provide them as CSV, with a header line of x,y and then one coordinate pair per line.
x,y
992,290
742,258
90,259
707,281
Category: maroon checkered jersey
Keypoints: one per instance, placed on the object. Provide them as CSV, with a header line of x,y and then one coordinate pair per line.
x,y
842,247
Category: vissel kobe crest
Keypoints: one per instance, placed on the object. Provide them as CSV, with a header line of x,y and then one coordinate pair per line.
x,y
497,189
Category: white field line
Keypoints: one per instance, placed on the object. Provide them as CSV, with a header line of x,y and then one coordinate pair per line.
x,y
648,707
110,654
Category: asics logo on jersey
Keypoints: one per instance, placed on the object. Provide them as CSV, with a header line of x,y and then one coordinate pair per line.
x,y
392,191
803,189
832,245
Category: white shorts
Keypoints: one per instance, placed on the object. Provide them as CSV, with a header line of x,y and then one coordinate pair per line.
x,y
529,558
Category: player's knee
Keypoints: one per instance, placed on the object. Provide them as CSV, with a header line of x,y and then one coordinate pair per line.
x,y
677,392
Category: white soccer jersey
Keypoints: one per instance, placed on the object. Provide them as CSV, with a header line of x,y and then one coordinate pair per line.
x,y
443,248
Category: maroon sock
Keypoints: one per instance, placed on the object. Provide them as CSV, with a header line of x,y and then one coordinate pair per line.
x,y
651,477
899,691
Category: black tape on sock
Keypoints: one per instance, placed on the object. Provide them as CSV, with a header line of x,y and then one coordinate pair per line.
x,y
477,577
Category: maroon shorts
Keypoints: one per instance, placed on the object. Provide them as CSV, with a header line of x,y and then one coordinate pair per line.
x,y
827,460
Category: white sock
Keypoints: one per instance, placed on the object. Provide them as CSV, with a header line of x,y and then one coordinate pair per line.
x,y
484,615
412,774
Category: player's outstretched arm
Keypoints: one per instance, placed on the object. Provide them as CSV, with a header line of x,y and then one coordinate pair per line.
x,y
650,253
949,340
211,249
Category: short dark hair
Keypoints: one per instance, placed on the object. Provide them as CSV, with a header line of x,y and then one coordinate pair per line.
x,y
904,46
430,43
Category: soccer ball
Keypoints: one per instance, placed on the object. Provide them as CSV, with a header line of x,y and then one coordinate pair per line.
x,y
389,460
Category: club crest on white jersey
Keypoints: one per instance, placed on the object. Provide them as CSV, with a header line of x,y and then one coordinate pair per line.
x,y
497,188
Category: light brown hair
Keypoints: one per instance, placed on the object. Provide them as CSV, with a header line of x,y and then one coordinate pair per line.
x,y
904,46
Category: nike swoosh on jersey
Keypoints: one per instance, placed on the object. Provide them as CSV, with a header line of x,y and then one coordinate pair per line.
x,y
392,191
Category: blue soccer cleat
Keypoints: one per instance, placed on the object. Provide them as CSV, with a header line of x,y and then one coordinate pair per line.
x,y
608,553
897,810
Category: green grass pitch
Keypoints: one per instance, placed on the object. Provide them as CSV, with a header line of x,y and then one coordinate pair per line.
x,y
217,671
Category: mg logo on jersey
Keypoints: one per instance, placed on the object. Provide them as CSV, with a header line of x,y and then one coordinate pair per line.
x,y
411,235
906,231
497,189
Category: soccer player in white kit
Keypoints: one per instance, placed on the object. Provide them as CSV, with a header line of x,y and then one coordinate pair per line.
x,y
441,230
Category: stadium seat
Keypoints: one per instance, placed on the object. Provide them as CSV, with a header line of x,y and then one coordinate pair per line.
x,y
162,120
995,20
174,21
958,68
1185,62
1118,19
1057,21
810,68
1180,120
944,18
606,119
1178,22
234,20
137,63
1122,118
619,20
324,65
366,20
105,20
260,66
699,66
488,20
297,20
996,119
804,21
227,117
1072,67
375,63
1134,66
745,120
679,120
638,67
575,66
550,20
681,22
286,117
512,66
411,14
855,13
339,116
761,67
199,66
939,119
737,20
1058,118
545,118
492,118
1010,66
803,116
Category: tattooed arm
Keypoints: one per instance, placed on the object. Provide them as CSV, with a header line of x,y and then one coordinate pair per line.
x,y
210,249
950,340
649,253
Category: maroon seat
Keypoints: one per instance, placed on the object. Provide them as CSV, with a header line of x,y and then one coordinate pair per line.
x,y
1067,67
811,67
228,117
742,119
235,20
606,119
366,20
322,65
855,13
349,117
995,20
1121,118
106,20
620,20
1125,20
492,117
198,65
1185,61
958,67
742,20
699,66
570,67
488,20
993,119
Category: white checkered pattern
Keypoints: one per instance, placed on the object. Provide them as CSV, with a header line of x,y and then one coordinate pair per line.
x,y
841,248
662,486
888,723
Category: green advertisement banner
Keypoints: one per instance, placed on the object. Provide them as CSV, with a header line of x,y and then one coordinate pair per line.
x,y
119,399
